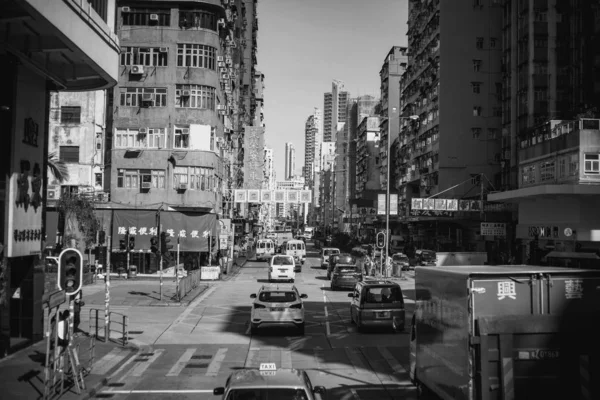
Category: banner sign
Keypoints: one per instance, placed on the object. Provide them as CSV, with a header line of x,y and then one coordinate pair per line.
x,y
266,196
240,196
305,196
445,204
430,213
272,196
393,204
210,273
253,195
291,196
493,229
381,204
280,196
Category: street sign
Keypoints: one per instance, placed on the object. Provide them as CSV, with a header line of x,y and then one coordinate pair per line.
x,y
493,229
54,299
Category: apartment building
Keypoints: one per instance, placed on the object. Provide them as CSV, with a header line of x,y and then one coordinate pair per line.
x,y
180,119
290,160
326,183
71,47
453,82
290,210
334,110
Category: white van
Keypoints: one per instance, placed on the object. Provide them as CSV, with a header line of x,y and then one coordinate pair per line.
x,y
265,248
296,249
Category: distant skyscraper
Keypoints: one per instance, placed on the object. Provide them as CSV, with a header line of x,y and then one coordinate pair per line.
x,y
290,160
334,110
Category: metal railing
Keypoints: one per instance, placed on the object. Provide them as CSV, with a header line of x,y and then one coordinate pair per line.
x,y
187,284
114,318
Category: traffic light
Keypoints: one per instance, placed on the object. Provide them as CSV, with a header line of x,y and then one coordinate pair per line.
x,y
381,240
131,242
165,247
154,244
70,271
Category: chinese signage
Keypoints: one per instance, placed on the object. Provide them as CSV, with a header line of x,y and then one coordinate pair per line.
x,y
381,204
445,204
393,204
493,229
269,196
430,213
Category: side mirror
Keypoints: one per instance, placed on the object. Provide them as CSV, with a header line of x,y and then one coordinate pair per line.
x,y
253,296
219,390
303,296
319,389
351,295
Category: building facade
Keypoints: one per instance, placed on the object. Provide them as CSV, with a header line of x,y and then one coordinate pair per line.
x,y
290,160
334,110
38,59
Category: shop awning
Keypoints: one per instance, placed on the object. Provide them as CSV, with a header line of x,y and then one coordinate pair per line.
x,y
570,254
192,229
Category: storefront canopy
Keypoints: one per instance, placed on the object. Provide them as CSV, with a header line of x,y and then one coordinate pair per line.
x,y
192,229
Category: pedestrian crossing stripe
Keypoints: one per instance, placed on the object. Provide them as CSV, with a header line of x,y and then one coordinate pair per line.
x,y
141,361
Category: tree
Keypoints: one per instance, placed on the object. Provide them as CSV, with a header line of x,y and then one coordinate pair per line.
x,y
80,219
57,167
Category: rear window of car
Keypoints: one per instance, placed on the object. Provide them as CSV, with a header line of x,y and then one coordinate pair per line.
x,y
277,297
283,261
346,269
384,294
346,260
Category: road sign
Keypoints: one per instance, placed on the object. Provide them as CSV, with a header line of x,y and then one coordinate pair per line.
x,y
54,299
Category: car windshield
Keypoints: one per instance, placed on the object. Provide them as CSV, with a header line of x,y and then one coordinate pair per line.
x,y
283,261
428,254
384,294
329,252
345,259
268,394
346,269
277,297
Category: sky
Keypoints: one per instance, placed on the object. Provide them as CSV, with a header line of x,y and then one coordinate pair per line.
x,y
304,44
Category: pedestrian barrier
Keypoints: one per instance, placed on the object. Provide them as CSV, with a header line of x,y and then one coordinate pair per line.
x,y
189,283
118,319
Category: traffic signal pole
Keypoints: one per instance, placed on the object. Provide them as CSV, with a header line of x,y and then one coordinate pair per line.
x,y
107,293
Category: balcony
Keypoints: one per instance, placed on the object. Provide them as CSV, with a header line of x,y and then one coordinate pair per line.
x,y
71,42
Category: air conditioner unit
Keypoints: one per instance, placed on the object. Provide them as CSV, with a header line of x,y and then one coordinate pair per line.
x,y
225,76
153,17
228,61
146,185
185,131
137,70
147,97
125,9
143,131
221,107
52,194
221,64
185,93
220,59
182,186
163,49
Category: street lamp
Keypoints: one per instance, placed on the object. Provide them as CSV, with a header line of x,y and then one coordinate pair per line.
x,y
387,191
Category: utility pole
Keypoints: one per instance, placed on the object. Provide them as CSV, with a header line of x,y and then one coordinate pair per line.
x,y
160,260
107,292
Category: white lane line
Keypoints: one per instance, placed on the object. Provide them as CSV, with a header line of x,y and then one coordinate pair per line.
x,y
251,358
157,391
109,361
327,322
215,364
286,359
394,363
142,366
181,363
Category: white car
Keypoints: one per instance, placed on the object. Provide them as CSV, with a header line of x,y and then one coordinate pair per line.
x,y
277,305
282,268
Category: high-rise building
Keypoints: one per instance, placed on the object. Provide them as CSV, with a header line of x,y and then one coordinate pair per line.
x,y
453,83
310,132
334,110
290,161
326,183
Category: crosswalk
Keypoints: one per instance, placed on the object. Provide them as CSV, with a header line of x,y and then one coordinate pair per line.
x,y
382,364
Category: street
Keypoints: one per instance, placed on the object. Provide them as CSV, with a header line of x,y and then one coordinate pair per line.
x,y
211,338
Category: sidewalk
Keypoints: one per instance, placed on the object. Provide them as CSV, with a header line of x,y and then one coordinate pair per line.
x,y
148,316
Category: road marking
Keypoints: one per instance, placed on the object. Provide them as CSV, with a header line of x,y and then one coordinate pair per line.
x,y
142,366
327,328
108,392
122,367
109,361
394,363
286,359
249,328
181,363
251,358
215,364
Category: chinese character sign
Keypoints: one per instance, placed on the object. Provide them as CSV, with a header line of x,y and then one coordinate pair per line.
x,y
292,196
280,196
266,196
253,195
574,288
305,196
240,196
507,289
493,229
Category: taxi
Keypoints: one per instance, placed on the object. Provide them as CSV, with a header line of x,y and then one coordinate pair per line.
x,y
269,383
277,305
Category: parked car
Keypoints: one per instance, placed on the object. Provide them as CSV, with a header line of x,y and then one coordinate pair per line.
x,y
377,303
345,276
326,252
343,258
425,258
402,261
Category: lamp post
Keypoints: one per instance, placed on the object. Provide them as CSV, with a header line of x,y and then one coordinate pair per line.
x,y
387,183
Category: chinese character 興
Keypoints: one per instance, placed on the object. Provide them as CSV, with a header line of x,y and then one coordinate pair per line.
x,y
507,289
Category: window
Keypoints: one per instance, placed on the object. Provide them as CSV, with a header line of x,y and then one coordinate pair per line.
x,y
147,56
134,97
198,97
196,56
476,87
493,42
562,167
492,133
155,138
181,138
574,165
591,164
547,171
69,154
98,179
476,65
202,178
528,175
477,111
197,20
541,94
132,178
476,132
147,17
128,138
180,175
70,114
479,43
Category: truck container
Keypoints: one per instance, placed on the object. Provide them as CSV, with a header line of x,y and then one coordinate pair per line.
x,y
506,332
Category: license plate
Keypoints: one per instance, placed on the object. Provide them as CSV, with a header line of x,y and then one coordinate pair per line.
x,y
382,314
277,309
283,270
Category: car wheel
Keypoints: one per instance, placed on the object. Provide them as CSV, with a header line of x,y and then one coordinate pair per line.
x,y
301,329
